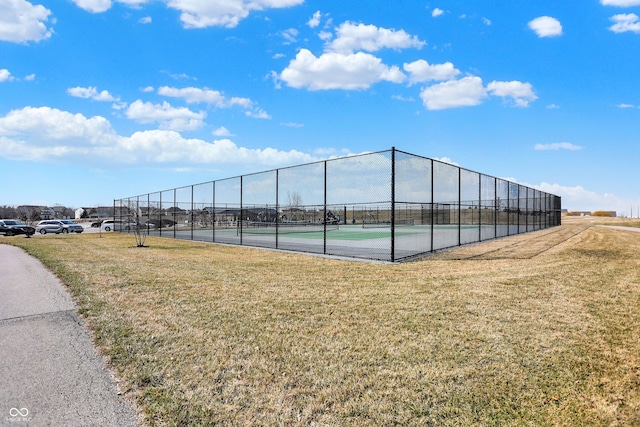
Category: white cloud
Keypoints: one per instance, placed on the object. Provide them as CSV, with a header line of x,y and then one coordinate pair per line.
x,y
315,20
446,160
48,130
21,22
465,92
257,113
5,75
168,117
94,6
521,93
44,133
290,35
620,3
91,93
193,95
352,37
292,125
626,106
145,20
546,26
470,91
222,13
437,12
338,71
577,198
625,22
421,71
557,146
222,131
486,22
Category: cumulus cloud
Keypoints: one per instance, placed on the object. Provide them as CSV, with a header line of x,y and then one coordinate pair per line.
x,y
21,22
557,146
168,117
44,133
194,95
221,131
546,26
94,6
354,37
315,20
470,91
222,13
620,3
198,14
437,12
346,63
466,92
338,71
32,133
625,22
421,71
521,93
91,93
578,198
5,75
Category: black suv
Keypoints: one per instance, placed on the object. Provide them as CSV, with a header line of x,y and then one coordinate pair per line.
x,y
11,227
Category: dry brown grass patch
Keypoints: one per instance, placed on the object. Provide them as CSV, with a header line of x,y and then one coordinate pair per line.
x,y
503,333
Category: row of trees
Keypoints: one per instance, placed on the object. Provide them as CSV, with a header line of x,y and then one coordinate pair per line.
x,y
35,213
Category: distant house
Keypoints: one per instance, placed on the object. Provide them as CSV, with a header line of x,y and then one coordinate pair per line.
x,y
94,212
34,212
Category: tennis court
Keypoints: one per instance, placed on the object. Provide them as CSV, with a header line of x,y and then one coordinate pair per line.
x,y
340,240
388,206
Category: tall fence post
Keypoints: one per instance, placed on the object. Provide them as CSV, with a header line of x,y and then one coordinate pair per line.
x,y
192,213
459,206
239,224
277,205
432,206
393,204
324,220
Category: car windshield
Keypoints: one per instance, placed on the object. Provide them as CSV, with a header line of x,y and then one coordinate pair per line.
x,y
67,222
13,223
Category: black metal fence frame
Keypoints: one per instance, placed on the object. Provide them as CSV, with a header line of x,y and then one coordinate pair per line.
x,y
392,183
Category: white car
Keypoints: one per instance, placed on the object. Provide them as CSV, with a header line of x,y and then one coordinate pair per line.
x,y
117,225
110,225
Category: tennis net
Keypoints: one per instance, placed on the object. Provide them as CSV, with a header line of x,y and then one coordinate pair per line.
x,y
256,227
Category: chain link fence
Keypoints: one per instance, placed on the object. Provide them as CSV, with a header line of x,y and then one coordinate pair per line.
x,y
388,206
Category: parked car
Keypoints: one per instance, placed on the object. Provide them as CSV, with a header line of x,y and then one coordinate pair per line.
x,y
65,225
110,225
96,224
45,227
11,227
71,227
118,225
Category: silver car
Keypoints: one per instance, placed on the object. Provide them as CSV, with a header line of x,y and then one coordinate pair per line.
x,y
45,227
65,225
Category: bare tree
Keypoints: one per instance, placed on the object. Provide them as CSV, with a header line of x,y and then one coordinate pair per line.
x,y
294,200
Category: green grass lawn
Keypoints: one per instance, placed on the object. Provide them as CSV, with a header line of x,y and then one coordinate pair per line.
x,y
203,334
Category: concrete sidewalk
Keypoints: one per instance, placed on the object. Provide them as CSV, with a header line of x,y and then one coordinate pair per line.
x,y
50,372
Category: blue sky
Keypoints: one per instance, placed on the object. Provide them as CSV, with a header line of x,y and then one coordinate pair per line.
x,y
103,99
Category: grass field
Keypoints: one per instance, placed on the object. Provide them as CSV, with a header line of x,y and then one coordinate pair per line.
x,y
537,329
